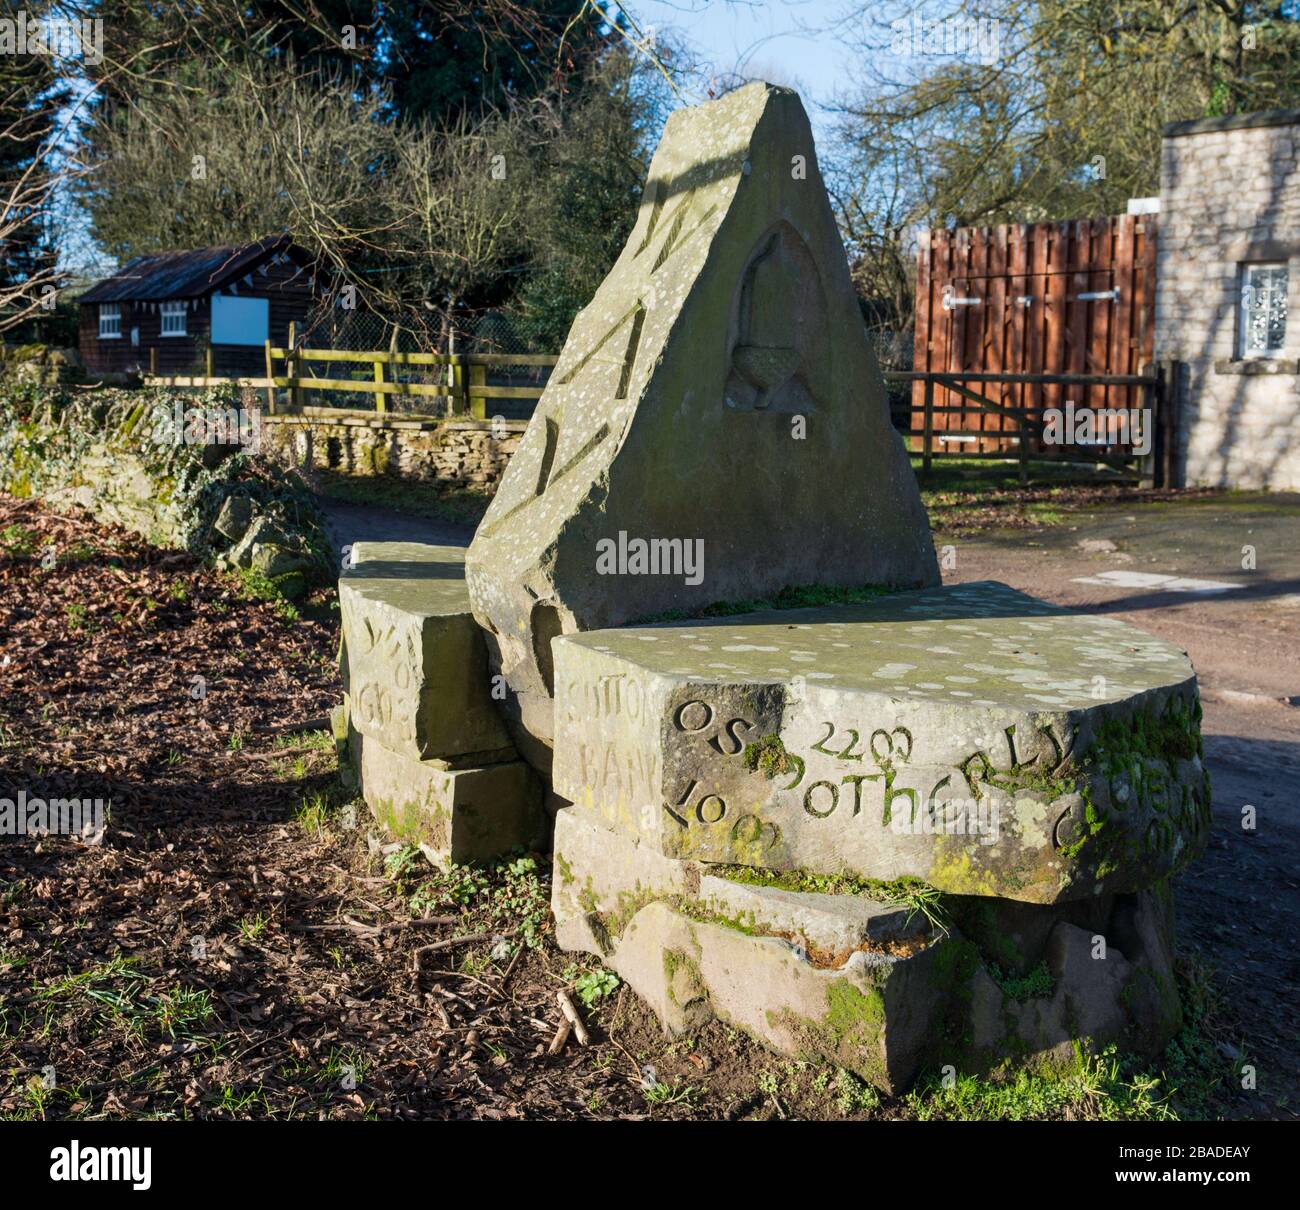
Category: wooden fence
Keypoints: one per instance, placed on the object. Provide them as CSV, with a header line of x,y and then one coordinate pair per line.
x,y
462,379
1049,313
1156,395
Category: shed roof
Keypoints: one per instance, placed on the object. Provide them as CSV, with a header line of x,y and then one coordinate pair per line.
x,y
162,275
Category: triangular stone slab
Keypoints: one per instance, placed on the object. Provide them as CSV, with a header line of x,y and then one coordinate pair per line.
x,y
718,396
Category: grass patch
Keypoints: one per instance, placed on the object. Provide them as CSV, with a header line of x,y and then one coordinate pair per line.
x,y
119,996
1037,984
78,618
18,542
1105,1087
1191,1080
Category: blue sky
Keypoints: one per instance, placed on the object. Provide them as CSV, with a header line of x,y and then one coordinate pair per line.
x,y
800,43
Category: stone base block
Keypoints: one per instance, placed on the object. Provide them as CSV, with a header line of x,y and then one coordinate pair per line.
x,y
865,984
838,978
457,816
414,661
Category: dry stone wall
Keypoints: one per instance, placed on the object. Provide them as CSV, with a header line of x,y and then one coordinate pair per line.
x,y
470,455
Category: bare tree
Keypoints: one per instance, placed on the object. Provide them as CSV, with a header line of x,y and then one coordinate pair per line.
x,y
27,197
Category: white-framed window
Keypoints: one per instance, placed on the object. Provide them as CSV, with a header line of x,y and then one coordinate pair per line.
x,y
1261,327
110,321
173,318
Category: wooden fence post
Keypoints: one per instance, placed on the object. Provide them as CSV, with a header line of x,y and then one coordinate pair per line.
x,y
153,360
1149,465
927,440
459,405
381,399
270,380
291,368
477,404
207,361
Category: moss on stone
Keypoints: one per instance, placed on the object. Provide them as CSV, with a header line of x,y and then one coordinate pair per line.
x,y
682,978
1170,735
769,757
852,1015
953,869
802,596
849,1034
413,822
805,882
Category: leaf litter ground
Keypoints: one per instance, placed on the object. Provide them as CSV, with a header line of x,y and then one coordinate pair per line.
x,y
241,945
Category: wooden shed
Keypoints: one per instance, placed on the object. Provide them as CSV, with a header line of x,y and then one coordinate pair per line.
x,y
167,308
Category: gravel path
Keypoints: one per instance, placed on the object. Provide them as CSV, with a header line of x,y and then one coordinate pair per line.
x,y
349,523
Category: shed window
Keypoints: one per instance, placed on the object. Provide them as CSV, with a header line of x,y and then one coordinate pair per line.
x,y
173,318
1262,326
110,321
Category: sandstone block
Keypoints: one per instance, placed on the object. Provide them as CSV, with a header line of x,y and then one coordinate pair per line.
x,y
415,666
852,978
839,978
717,401
457,816
970,736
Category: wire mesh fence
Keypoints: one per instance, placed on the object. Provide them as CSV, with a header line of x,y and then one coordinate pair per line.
x,y
354,330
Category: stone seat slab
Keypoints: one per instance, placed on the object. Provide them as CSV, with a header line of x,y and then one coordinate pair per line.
x,y
969,736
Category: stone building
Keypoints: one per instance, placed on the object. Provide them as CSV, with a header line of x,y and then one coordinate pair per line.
x,y
1227,265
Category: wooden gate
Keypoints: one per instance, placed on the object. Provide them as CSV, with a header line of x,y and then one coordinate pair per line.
x,y
1042,298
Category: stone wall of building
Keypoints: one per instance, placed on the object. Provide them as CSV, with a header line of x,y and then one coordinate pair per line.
x,y
1229,196
464,454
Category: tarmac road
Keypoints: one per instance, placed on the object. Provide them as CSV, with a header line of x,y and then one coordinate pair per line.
x,y
1239,907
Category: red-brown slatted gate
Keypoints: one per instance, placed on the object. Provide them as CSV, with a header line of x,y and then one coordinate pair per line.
x,y
1041,298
